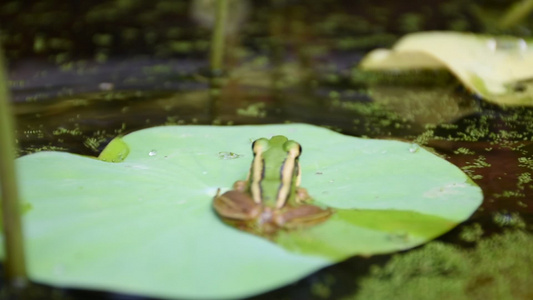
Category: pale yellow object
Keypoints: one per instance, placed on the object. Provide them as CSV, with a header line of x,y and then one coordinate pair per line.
x,y
498,69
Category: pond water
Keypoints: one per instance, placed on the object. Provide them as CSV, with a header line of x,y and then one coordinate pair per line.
x,y
76,90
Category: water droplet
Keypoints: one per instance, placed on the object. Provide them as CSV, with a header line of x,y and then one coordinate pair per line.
x,y
204,172
414,148
522,45
507,44
152,153
228,155
491,44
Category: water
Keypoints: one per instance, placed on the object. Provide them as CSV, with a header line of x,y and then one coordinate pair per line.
x,y
79,97
492,145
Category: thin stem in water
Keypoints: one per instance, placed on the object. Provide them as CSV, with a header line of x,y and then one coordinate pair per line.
x,y
217,40
15,264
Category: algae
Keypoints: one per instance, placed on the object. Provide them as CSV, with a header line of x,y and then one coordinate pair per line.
x,y
472,233
497,268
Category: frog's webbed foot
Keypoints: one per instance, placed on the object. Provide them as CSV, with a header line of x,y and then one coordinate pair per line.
x,y
236,205
302,216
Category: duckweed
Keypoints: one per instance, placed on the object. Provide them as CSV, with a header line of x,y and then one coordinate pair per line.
x,y
497,268
465,151
472,233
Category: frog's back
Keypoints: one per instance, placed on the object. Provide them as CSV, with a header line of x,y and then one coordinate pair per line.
x,y
272,178
273,159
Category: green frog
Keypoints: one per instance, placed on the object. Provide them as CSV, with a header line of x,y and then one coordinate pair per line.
x,y
270,198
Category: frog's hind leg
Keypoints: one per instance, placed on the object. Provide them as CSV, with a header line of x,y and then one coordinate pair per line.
x,y
302,216
236,205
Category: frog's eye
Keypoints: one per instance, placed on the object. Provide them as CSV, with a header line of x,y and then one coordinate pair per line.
x,y
293,148
259,145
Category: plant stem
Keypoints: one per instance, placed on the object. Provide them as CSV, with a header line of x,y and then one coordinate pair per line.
x,y
15,264
516,13
217,40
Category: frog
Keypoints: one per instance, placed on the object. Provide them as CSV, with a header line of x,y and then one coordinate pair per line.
x,y
271,199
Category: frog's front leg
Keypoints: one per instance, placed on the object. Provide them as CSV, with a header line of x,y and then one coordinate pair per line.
x,y
240,185
301,216
236,205
302,195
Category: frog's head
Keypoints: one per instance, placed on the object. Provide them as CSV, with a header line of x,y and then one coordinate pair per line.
x,y
277,142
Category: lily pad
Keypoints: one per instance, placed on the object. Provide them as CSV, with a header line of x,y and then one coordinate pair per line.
x,y
142,222
497,68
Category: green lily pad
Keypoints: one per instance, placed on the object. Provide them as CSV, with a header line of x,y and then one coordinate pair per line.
x,y
497,68
142,222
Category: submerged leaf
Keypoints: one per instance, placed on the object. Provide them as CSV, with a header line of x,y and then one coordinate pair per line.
x,y
498,69
146,226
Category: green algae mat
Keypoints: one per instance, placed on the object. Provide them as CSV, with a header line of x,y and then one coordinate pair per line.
x,y
139,220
